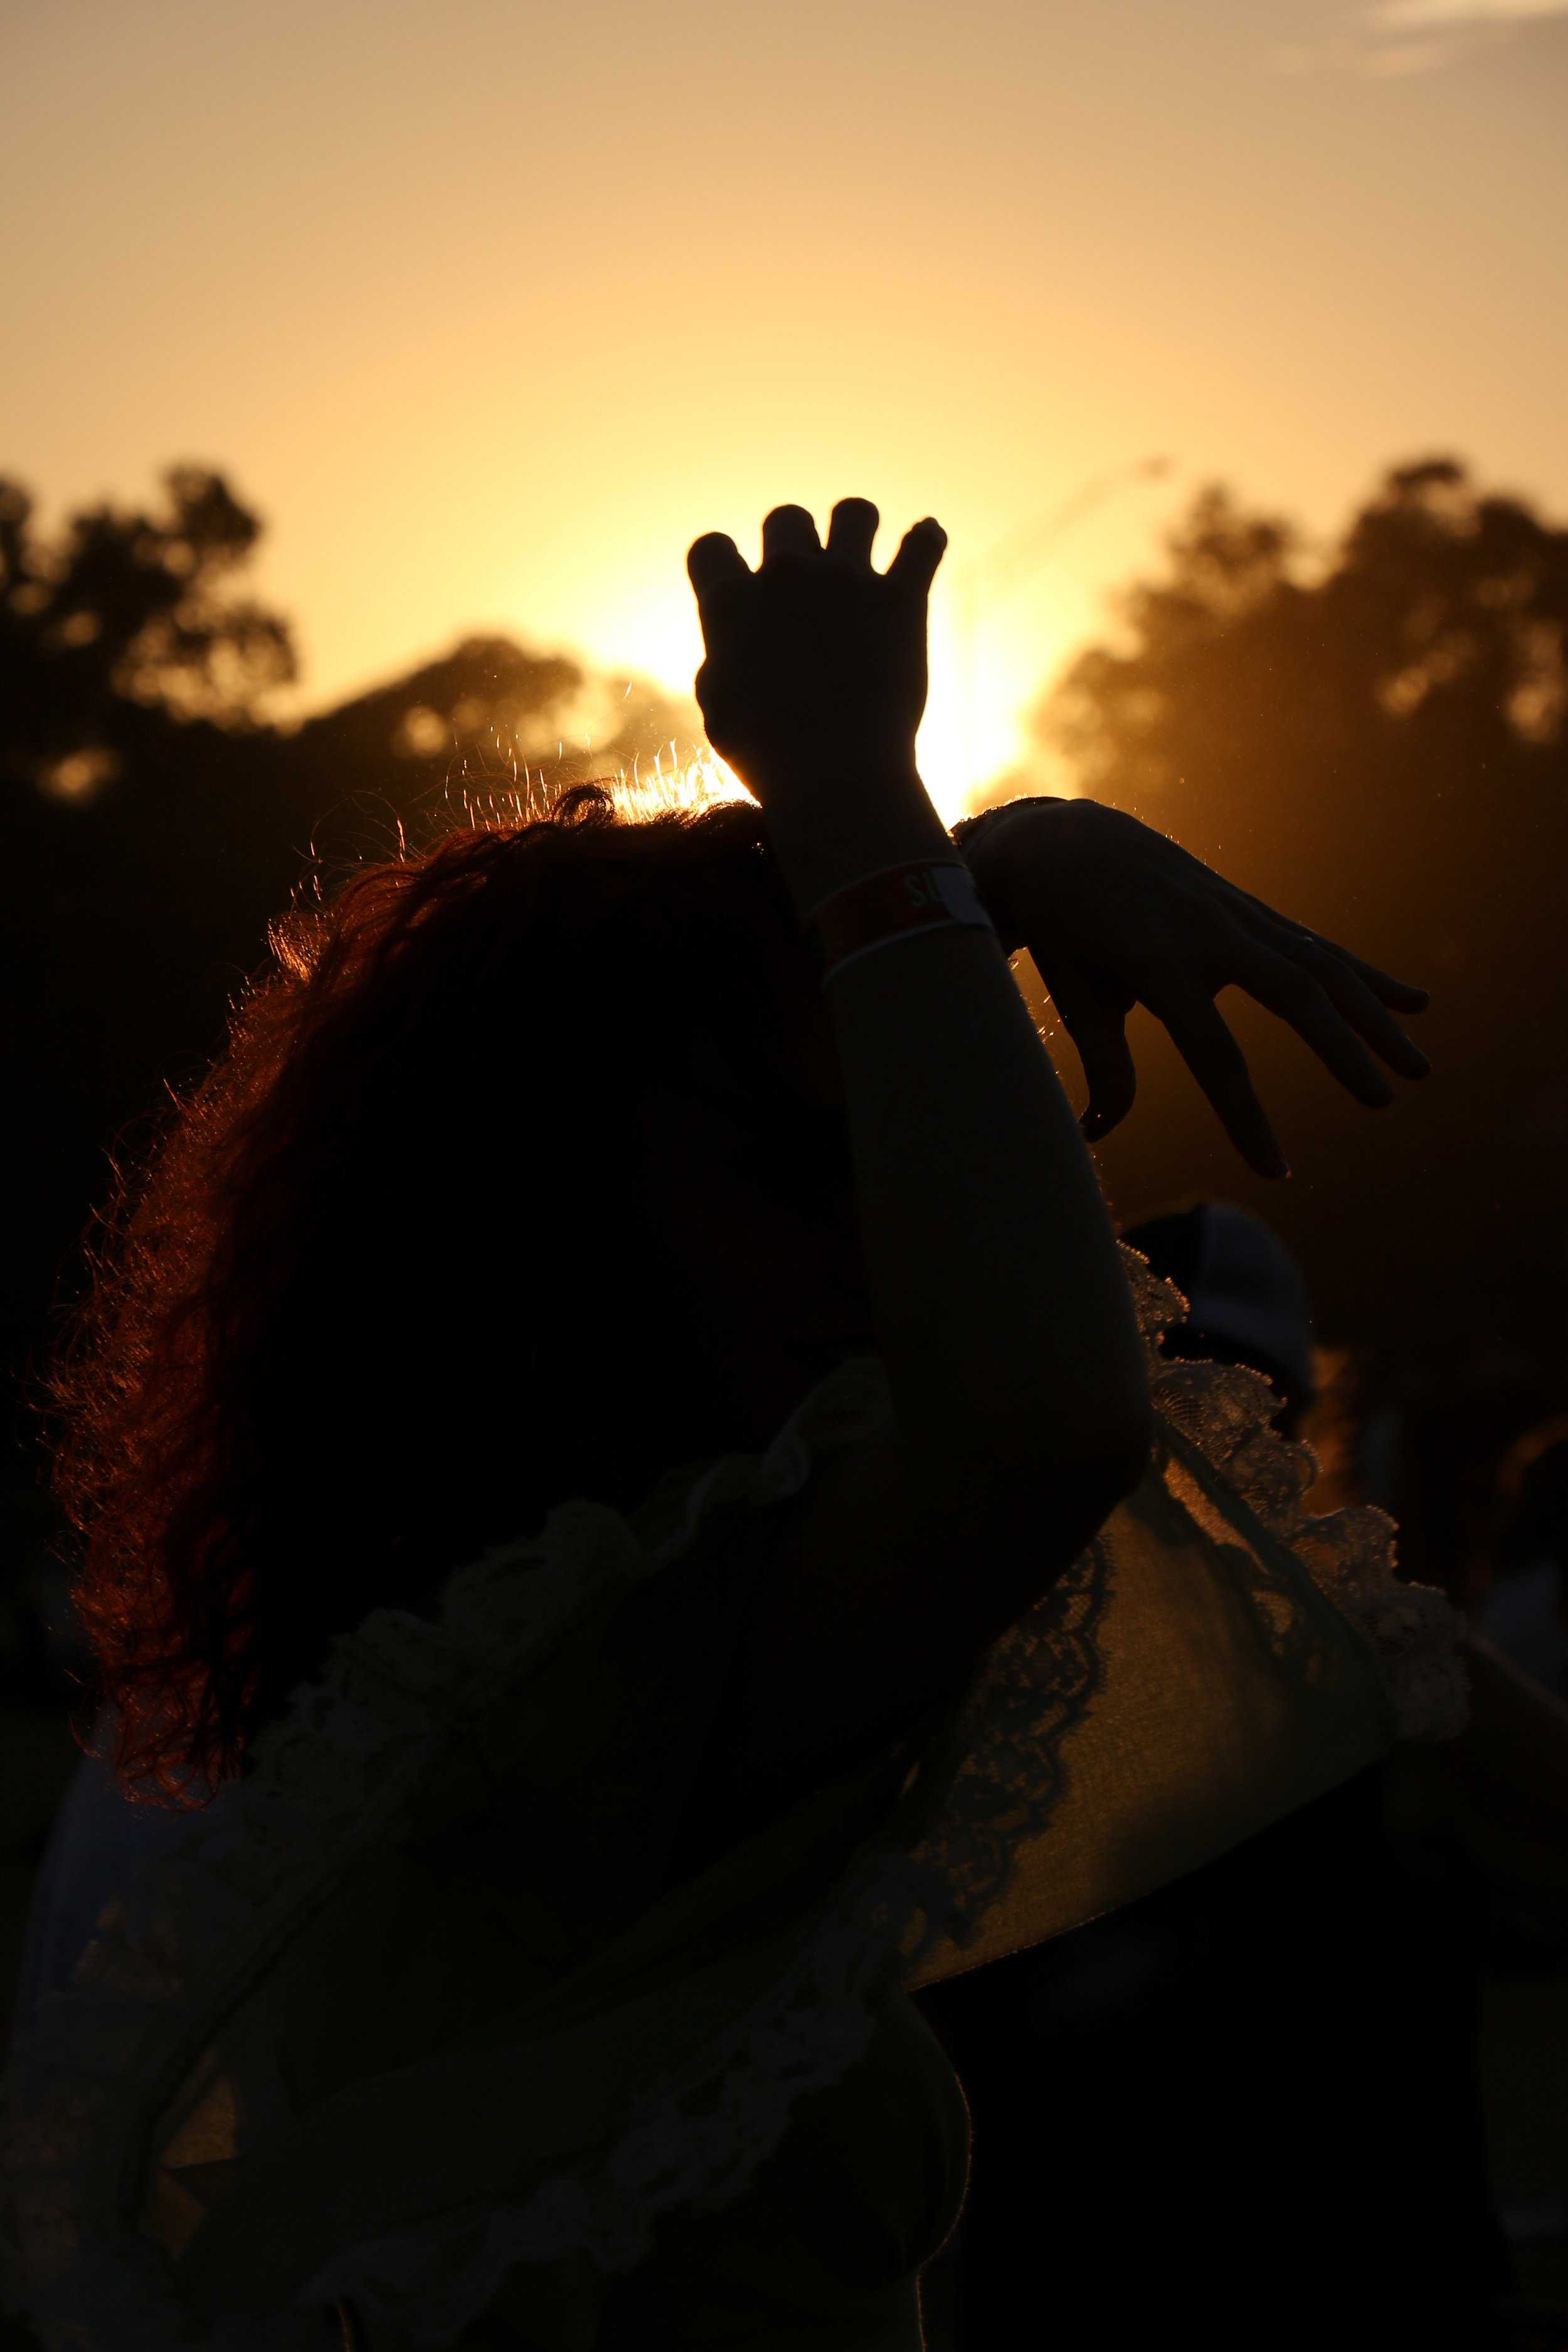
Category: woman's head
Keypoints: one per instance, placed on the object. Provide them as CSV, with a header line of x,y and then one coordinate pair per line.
x,y
523,1175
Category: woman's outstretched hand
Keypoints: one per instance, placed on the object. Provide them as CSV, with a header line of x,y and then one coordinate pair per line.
x,y
815,669
1115,914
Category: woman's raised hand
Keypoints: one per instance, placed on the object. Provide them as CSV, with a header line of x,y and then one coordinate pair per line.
x,y
1115,914
816,668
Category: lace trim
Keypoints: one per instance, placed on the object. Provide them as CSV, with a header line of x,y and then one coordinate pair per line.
x,y
1223,1412
343,1765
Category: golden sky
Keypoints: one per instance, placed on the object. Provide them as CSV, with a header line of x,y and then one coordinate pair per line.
x,y
490,309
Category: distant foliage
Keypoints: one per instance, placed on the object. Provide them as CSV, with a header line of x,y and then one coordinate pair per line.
x,y
1402,706
125,608
1373,737
155,818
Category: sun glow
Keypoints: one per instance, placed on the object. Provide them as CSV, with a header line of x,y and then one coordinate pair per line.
x,y
973,730
693,779
677,778
983,680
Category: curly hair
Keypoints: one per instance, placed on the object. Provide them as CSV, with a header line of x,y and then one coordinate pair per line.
x,y
380,1290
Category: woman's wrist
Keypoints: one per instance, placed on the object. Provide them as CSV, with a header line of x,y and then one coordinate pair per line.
x,y
979,841
848,830
890,906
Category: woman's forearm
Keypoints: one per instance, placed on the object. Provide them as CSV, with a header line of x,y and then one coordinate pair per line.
x,y
1001,1309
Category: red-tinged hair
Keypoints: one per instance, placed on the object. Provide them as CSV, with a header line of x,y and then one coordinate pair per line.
x,y
380,1290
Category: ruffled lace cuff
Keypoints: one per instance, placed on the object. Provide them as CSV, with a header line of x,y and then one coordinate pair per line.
x,y
1225,1411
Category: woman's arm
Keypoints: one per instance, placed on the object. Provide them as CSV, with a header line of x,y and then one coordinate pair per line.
x,y
1001,1310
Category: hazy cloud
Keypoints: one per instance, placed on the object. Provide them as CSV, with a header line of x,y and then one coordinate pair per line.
x,y
1406,58
1394,15
1426,34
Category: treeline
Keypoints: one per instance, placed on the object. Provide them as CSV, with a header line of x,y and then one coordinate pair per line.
x,y
1373,737
153,820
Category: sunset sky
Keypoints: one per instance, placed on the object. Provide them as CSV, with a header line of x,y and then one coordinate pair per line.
x,y
490,309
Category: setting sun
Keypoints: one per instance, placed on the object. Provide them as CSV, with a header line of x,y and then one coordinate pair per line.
x,y
991,656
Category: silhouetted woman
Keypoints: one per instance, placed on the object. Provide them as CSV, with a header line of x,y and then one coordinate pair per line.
x,y
628,1492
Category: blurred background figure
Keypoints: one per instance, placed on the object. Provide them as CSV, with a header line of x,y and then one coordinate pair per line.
x,y
1525,1611
1248,2104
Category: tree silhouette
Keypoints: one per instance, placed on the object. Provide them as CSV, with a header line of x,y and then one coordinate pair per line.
x,y
128,610
486,718
153,820
1359,737
1375,738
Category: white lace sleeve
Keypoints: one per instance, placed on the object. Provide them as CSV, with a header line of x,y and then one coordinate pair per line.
x,y
147,2128
1225,1413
